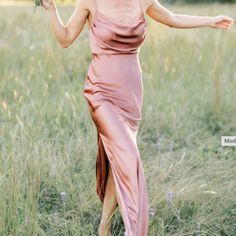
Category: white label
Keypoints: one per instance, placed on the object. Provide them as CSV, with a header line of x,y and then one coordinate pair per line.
x,y
228,141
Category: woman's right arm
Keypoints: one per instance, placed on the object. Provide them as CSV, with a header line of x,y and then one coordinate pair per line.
x,y
66,34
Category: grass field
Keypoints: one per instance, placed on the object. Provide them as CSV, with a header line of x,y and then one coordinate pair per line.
x,y
48,140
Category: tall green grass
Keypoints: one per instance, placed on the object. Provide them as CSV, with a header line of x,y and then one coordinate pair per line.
x,y
48,140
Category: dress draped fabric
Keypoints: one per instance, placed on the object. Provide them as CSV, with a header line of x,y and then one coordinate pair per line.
x,y
114,91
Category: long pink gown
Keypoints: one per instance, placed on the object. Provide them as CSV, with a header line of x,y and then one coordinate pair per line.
x,y
114,91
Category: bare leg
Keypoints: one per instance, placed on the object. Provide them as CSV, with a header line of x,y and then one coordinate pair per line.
x,y
109,205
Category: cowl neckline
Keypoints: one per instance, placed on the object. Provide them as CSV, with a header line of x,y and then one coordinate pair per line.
x,y
116,22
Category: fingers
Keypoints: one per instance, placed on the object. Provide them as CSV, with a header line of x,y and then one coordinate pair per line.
x,y
223,25
45,4
227,24
48,4
224,22
42,3
227,19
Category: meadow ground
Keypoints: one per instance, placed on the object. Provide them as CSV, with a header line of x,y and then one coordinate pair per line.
x,y
48,140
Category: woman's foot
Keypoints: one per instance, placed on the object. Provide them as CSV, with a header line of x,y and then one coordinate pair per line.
x,y
104,229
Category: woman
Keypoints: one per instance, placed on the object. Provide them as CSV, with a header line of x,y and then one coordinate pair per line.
x,y
114,91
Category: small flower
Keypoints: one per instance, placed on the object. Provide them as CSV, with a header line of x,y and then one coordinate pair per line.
x,y
63,195
169,196
151,211
170,146
37,4
55,216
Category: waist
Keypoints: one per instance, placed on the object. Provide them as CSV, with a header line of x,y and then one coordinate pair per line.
x,y
119,66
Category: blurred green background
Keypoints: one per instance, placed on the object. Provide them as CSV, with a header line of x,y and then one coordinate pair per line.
x,y
48,141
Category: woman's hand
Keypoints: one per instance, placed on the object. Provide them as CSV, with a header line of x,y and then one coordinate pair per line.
x,y
48,4
221,22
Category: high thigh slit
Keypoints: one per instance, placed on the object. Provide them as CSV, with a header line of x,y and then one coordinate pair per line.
x,y
102,166
114,91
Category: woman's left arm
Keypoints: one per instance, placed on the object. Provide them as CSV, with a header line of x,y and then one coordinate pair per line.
x,y
163,15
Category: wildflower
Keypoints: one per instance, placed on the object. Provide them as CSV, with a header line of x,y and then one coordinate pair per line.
x,y
169,196
152,211
63,194
37,4
170,146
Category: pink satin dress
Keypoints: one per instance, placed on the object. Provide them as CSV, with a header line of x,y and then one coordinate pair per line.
x,y
114,91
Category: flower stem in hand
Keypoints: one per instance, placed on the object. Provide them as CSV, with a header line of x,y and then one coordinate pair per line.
x,y
37,4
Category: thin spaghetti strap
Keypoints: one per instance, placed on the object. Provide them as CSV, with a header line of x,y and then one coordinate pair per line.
x,y
96,5
141,6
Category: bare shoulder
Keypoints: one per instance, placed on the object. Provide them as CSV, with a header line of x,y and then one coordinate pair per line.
x,y
87,5
147,4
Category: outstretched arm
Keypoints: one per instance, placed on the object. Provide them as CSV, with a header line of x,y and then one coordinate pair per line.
x,y
163,15
66,34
